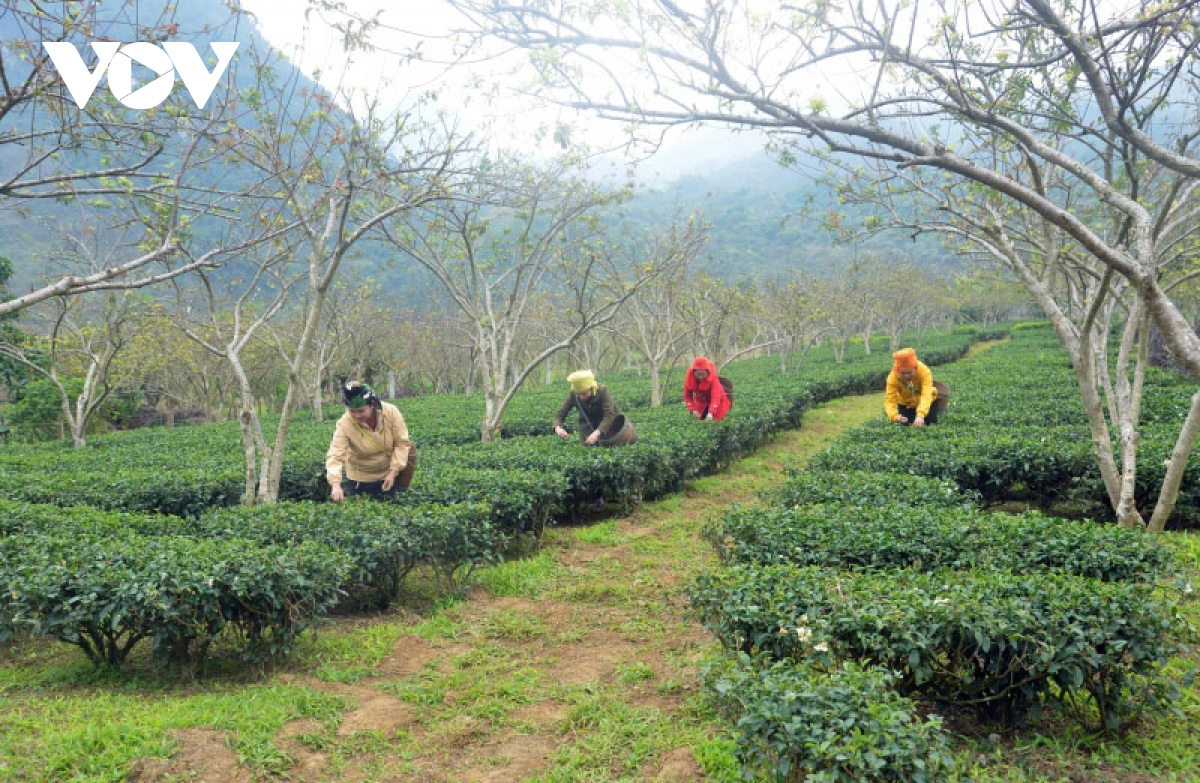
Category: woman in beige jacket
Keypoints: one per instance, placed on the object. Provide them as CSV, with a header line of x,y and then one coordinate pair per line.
x,y
371,442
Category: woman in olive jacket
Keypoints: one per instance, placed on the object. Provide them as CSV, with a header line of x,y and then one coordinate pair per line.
x,y
597,410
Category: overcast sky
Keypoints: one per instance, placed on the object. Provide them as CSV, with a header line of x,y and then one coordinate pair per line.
x,y
463,90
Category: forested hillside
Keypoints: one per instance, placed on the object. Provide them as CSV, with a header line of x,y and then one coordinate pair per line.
x,y
766,220
33,231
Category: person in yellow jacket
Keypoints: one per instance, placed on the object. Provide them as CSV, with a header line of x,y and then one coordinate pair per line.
x,y
371,442
910,392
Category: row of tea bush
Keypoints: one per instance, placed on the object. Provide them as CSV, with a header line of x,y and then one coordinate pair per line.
x,y
172,560
864,597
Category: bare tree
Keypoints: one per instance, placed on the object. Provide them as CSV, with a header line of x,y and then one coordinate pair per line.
x,y
82,343
519,237
730,320
226,324
428,352
52,151
801,316
985,298
911,297
654,321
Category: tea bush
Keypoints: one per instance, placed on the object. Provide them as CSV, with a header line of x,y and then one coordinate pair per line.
x,y
1003,644
844,724
927,538
384,541
520,500
1046,461
106,594
868,488
28,518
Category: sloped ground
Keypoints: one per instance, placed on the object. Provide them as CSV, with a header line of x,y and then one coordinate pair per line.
x,y
577,664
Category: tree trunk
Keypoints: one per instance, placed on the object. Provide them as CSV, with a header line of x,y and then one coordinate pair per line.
x,y
268,484
272,458
318,399
1169,493
839,349
248,422
656,397
1097,421
489,428
75,425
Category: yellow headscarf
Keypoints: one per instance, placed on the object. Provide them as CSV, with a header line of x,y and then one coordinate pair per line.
x,y
582,380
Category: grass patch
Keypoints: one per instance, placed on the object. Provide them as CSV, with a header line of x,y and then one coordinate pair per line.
x,y
611,739
66,666
426,689
346,657
487,683
95,735
634,673
515,626
600,534
527,578
440,626
716,758
595,592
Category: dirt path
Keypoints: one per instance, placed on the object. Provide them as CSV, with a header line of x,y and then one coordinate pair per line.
x,y
578,664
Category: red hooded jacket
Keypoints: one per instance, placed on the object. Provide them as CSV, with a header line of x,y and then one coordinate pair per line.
x,y
707,396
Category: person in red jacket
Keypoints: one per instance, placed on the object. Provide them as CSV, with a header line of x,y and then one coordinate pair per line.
x,y
703,392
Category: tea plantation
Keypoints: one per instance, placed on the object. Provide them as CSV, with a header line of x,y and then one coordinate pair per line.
x,y
138,539
873,594
867,604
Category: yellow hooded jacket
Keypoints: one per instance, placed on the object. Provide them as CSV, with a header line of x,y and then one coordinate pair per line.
x,y
368,455
919,394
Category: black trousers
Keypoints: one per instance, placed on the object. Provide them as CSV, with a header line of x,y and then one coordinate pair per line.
x,y
911,413
371,488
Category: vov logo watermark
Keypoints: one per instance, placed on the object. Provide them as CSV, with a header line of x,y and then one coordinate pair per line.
x,y
117,59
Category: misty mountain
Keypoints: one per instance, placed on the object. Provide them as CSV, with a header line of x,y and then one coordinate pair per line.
x,y
765,219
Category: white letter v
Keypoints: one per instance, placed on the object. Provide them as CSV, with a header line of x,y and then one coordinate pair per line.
x,y
190,67
79,80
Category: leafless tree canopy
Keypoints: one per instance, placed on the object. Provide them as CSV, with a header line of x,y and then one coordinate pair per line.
x,y
1057,138
145,165
931,85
